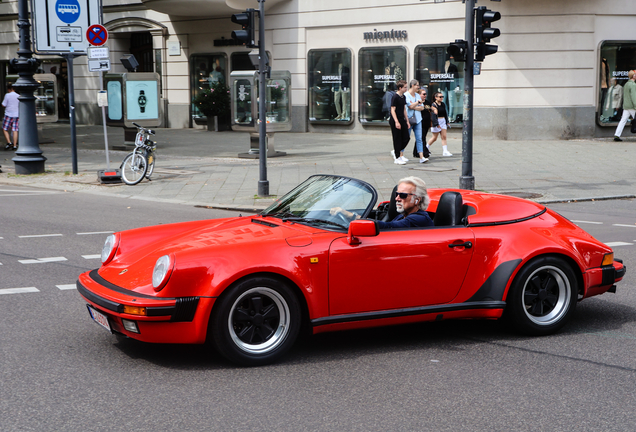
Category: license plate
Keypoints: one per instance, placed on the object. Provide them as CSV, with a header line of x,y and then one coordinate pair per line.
x,y
99,318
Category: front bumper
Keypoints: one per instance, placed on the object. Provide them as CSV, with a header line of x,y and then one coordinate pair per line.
x,y
167,320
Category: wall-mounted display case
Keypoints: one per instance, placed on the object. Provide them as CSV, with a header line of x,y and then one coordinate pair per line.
x,y
244,92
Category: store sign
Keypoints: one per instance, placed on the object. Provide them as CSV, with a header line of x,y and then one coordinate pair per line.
x,y
382,35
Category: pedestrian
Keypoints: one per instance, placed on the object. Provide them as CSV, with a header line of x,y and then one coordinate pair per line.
x,y
426,121
629,104
11,106
399,124
414,111
443,124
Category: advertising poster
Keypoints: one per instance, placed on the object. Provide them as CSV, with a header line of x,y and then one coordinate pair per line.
x,y
114,100
142,100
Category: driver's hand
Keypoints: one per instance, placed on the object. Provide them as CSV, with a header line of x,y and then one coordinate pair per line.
x,y
335,210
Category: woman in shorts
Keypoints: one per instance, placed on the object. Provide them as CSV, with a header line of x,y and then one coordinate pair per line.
x,y
442,117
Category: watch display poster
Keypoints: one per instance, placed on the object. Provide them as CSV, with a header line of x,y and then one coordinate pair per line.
x,y
329,86
437,71
379,69
141,100
115,111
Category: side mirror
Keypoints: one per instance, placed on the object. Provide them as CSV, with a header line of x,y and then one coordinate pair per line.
x,y
361,228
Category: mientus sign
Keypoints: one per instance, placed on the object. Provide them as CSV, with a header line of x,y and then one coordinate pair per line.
x,y
381,35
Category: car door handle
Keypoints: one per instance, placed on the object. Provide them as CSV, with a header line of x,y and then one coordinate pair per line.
x,y
467,245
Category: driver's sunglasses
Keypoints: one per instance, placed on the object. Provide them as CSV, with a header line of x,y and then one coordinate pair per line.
x,y
403,195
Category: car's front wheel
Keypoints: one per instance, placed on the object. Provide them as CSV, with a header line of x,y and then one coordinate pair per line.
x,y
543,296
255,321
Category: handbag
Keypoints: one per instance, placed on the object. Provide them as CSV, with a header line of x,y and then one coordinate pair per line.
x,y
413,120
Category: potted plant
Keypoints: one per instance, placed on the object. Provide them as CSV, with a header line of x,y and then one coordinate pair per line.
x,y
214,103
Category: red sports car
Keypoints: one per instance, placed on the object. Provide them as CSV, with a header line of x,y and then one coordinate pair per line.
x,y
249,284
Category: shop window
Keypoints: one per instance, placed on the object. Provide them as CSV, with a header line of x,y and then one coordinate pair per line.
x,y
205,70
380,69
617,59
329,86
437,71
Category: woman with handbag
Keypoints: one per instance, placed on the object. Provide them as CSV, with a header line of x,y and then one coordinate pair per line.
x,y
414,112
442,123
399,124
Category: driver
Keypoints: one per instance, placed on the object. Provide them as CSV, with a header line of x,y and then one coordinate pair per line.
x,y
411,201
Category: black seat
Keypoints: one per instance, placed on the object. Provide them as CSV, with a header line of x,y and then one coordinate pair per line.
x,y
392,210
450,210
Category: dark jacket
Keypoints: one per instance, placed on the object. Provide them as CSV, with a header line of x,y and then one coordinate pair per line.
x,y
418,219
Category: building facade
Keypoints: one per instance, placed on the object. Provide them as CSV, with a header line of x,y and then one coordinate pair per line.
x,y
558,73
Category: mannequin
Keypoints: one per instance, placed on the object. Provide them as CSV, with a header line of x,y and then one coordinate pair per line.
x,y
451,89
341,92
394,70
217,74
613,101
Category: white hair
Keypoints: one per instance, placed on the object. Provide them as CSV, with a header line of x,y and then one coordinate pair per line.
x,y
420,190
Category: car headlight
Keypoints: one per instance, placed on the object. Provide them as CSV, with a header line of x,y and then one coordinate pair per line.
x,y
109,249
161,272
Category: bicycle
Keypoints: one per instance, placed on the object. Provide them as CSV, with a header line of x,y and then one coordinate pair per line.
x,y
140,162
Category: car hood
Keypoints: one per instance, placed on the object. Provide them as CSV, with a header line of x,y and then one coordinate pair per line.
x,y
193,244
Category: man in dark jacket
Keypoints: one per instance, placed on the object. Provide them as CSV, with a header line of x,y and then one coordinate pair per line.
x,y
411,201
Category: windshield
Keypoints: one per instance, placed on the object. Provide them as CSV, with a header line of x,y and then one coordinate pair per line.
x,y
312,201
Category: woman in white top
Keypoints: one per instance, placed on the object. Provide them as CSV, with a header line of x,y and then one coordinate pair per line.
x,y
414,108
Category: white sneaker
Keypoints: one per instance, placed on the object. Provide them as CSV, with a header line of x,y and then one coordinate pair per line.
x,y
404,159
447,153
399,161
422,160
393,154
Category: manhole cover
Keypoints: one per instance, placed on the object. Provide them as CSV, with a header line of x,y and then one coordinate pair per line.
x,y
525,195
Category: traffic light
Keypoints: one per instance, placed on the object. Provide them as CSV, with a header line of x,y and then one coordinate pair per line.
x,y
484,17
458,49
245,36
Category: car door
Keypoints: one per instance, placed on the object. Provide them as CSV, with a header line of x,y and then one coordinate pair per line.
x,y
398,269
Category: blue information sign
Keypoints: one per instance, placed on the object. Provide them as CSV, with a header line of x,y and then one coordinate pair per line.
x,y
67,11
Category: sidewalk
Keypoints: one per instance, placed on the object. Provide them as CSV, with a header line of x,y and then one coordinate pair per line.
x,y
198,167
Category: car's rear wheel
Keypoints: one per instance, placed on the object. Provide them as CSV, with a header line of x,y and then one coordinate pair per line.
x,y
543,296
255,321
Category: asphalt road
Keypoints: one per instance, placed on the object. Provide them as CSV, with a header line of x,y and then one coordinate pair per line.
x,y
61,371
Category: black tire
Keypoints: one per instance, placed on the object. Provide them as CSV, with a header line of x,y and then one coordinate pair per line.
x,y
133,174
543,296
255,321
150,157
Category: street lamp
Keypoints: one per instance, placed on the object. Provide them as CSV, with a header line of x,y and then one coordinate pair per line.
x,y
28,159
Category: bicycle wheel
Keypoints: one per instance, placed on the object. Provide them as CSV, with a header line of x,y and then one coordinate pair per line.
x,y
150,157
133,168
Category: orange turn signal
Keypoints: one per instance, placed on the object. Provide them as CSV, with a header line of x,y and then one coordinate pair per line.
x,y
135,310
608,259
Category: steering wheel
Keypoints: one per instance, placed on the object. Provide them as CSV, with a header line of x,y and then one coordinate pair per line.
x,y
343,218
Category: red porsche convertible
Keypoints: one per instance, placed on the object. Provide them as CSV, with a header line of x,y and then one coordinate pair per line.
x,y
247,285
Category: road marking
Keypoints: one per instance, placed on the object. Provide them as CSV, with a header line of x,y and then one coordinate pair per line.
x,y
96,232
67,287
613,244
588,222
42,260
40,235
624,225
92,256
18,290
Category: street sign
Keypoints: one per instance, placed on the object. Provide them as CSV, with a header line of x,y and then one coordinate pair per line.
x,y
98,52
97,35
98,65
59,26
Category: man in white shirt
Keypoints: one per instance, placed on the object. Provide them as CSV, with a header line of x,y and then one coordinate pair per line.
x,y
11,106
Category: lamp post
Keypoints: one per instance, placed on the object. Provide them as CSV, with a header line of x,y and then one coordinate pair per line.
x,y
28,159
